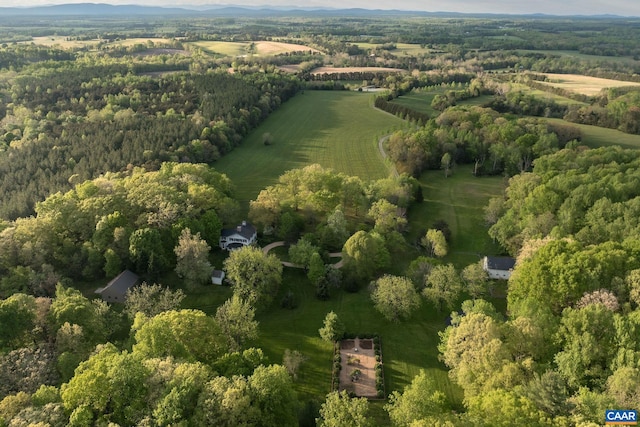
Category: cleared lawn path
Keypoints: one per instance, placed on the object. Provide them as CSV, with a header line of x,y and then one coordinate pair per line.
x,y
337,130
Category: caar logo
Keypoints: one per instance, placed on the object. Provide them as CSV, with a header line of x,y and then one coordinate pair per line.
x,y
618,417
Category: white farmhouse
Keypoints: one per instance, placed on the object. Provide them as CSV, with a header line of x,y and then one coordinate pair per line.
x,y
498,267
235,238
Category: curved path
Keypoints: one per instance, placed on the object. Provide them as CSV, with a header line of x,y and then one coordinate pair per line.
x,y
385,157
270,246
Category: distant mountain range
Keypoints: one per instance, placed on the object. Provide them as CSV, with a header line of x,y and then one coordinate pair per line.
x,y
103,9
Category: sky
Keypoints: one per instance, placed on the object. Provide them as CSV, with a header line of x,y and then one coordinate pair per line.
x,y
552,7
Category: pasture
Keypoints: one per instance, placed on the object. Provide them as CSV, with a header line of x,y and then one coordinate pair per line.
x,y
338,130
585,85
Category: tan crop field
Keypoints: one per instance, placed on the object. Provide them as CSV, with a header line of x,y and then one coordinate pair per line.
x,y
585,85
276,48
62,42
263,48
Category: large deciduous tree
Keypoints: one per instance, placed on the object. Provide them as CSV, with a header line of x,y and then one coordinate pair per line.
x,y
111,383
443,286
333,329
192,263
365,254
236,318
340,410
255,276
151,300
188,335
420,400
395,297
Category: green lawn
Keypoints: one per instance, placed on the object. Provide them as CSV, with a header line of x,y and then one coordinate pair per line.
x,y
222,48
407,347
419,101
594,136
338,130
459,200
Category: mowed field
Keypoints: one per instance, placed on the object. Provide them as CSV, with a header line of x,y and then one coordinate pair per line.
x,y
337,130
594,136
585,85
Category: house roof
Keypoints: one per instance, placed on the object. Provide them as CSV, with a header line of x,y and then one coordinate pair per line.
x,y
245,229
119,285
504,263
218,274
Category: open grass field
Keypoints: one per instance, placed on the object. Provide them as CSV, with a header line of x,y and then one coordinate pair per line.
x,y
594,136
459,200
419,101
585,85
222,48
337,130
559,99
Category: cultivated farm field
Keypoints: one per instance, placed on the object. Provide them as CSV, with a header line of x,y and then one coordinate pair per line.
x,y
262,48
338,130
585,85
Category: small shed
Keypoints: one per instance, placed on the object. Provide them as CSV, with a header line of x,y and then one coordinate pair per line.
x,y
116,290
217,276
498,267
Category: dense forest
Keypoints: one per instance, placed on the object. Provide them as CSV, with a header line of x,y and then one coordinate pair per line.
x,y
112,135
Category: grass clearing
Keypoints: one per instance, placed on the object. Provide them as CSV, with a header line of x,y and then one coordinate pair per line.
x,y
594,136
338,130
420,101
558,99
222,48
459,200
585,85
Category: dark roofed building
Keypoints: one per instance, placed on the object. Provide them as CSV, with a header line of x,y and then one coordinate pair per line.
x,y
234,238
498,267
116,290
